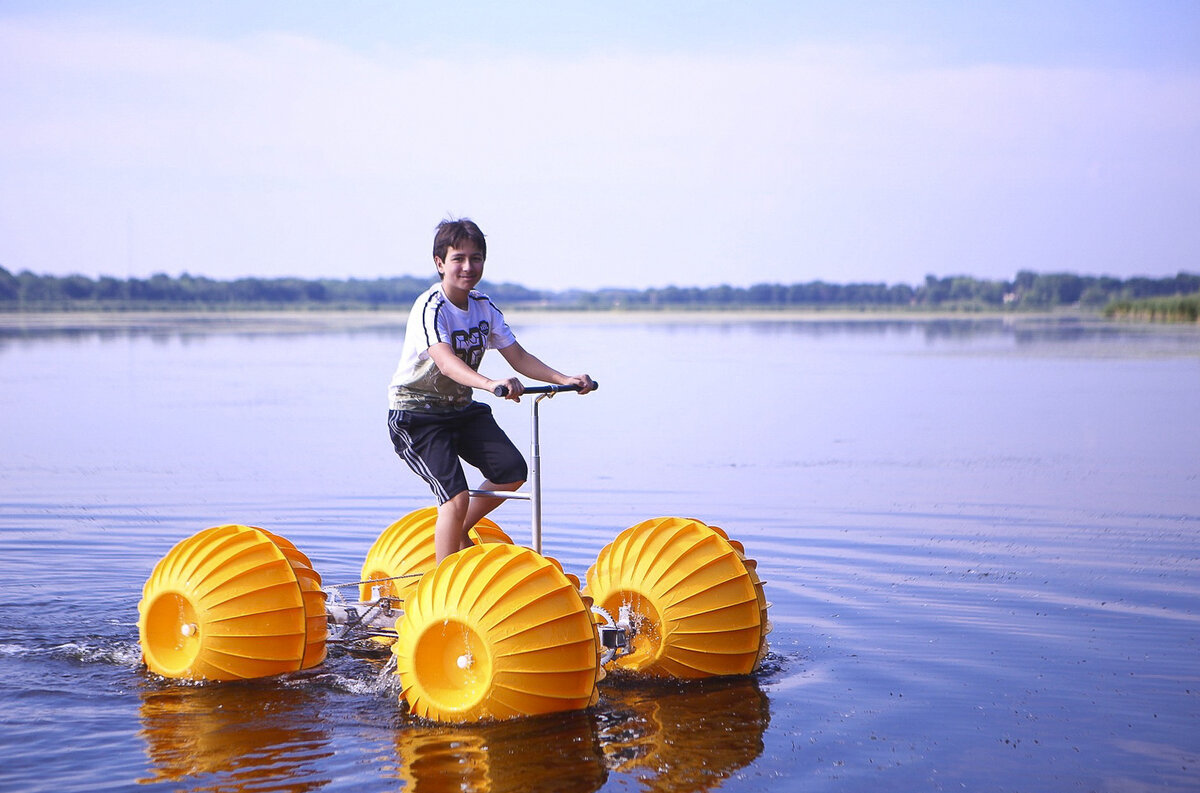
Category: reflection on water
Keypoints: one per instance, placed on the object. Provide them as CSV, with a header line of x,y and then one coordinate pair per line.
x,y
559,752
683,737
166,326
671,737
667,737
1021,329
235,737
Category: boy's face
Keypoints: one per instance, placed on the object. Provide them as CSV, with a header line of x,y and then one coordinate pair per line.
x,y
462,268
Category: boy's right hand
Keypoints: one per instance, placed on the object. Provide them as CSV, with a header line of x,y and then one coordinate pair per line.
x,y
514,388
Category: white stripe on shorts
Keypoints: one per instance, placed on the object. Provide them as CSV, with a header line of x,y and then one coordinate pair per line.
x,y
418,465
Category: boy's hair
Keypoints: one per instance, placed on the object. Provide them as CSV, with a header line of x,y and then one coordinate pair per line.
x,y
452,233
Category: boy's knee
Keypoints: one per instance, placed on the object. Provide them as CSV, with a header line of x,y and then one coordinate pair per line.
x,y
519,473
459,501
515,471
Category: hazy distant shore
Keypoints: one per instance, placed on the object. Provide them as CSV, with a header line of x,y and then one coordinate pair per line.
x,y
247,321
271,321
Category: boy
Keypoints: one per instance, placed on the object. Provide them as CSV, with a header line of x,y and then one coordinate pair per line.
x,y
432,417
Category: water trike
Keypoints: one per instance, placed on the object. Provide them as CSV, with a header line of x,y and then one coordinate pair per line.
x,y
494,631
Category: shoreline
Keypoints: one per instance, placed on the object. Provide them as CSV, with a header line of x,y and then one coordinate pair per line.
x,y
174,321
299,321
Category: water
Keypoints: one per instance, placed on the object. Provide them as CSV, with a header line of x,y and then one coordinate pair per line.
x,y
980,539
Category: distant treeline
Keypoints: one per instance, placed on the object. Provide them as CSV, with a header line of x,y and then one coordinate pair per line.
x,y
47,292
1029,290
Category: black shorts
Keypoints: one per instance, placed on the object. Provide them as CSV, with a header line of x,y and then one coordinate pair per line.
x,y
432,443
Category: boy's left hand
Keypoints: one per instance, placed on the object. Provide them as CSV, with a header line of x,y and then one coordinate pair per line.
x,y
585,383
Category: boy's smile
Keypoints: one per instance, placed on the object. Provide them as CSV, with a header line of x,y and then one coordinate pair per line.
x,y
461,270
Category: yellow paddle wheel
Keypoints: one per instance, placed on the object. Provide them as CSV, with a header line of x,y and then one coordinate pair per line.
x,y
496,631
692,600
232,602
405,551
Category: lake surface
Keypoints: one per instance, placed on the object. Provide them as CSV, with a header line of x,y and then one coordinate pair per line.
x,y
981,539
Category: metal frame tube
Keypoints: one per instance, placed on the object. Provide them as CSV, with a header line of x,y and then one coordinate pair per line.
x,y
535,474
535,462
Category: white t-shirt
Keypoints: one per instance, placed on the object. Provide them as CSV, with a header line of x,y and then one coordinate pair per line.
x,y
418,384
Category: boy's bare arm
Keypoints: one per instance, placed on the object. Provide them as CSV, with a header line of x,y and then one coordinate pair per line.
x,y
457,370
531,366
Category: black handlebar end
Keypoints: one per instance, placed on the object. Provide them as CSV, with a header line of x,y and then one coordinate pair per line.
x,y
502,390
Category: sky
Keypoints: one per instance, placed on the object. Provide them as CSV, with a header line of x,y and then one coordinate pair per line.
x,y
617,144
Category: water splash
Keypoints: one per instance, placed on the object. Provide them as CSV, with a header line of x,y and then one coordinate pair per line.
x,y
126,654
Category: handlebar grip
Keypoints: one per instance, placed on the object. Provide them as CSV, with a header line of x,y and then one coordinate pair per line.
x,y
502,390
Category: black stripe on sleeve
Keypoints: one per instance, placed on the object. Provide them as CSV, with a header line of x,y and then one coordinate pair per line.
x,y
435,302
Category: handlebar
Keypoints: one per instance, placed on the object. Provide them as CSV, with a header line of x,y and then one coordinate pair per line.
x,y
502,390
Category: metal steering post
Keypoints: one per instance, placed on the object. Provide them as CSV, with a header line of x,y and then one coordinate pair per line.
x,y
535,464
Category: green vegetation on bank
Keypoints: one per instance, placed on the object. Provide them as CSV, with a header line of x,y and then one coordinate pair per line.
x,y
27,291
1177,308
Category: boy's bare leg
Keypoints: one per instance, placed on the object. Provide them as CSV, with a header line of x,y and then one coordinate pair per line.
x,y
449,534
482,505
459,515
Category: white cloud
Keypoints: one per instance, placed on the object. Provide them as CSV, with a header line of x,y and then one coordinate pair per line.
x,y
127,152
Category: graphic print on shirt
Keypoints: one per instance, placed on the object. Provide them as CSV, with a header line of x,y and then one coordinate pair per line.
x,y
469,345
